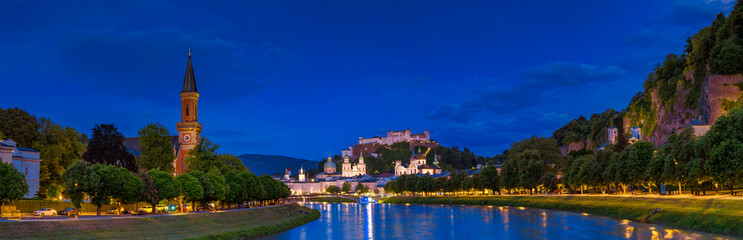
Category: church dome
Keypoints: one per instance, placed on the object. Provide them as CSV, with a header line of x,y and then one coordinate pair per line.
x,y
329,165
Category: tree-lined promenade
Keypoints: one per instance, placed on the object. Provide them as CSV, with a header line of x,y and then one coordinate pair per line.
x,y
108,174
696,165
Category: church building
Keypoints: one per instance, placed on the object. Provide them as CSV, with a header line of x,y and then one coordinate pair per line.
x,y
189,129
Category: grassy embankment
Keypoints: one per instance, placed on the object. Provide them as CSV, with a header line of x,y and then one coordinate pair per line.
x,y
330,199
709,215
241,224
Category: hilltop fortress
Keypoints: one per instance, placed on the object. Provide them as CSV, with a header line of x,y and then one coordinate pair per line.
x,y
369,146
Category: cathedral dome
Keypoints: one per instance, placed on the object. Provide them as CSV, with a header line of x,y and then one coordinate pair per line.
x,y
328,166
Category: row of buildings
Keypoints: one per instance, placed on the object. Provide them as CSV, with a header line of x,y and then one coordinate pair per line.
x,y
355,173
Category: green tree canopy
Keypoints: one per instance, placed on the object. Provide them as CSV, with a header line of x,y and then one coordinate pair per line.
x,y
253,186
204,157
19,125
167,187
79,179
191,188
13,184
107,147
59,148
157,150
724,149
346,188
333,189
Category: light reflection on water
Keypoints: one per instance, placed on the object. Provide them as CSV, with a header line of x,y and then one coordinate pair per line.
x,y
390,221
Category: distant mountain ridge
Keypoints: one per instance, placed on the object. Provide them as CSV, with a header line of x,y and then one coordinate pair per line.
x,y
270,164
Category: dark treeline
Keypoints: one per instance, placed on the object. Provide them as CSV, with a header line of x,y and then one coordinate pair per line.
x,y
484,181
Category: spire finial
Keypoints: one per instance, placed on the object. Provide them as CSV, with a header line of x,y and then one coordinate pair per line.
x,y
189,52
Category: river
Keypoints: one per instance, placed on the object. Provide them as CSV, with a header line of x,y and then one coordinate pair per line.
x,y
411,221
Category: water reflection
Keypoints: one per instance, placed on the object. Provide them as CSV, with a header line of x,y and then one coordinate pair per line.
x,y
389,221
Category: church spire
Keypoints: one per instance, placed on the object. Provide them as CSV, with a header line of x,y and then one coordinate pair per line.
x,y
189,81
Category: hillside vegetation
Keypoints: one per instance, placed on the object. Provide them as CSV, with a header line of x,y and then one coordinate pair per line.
x,y
698,85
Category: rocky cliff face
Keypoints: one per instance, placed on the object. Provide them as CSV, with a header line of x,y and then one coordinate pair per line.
x,y
715,90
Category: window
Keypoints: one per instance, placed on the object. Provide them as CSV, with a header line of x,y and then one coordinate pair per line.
x,y
186,109
26,171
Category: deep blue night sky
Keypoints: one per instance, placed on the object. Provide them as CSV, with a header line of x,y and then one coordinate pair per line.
x,y
307,78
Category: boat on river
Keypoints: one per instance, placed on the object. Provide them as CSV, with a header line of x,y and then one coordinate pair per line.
x,y
367,200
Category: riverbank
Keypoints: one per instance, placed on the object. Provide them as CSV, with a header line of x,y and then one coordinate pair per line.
x,y
236,224
709,215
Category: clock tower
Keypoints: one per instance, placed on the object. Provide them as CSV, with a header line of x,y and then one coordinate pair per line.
x,y
188,128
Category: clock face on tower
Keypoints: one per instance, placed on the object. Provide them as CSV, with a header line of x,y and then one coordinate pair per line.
x,y
186,137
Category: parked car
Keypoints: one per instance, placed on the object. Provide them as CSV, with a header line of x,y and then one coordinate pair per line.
x,y
45,212
67,211
161,208
144,210
113,210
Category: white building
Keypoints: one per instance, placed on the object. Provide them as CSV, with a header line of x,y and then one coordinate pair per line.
x,y
26,160
350,170
302,175
299,188
611,134
418,165
396,137
287,173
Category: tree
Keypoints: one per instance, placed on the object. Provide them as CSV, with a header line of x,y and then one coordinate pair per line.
x,y
468,184
213,185
220,187
361,189
106,147
115,183
167,187
19,125
149,189
231,163
59,148
633,161
253,186
12,184
544,149
346,187
54,191
488,179
157,150
204,157
191,188
129,188
333,189
509,175
531,168
272,189
723,142
722,161
236,189
79,179
549,181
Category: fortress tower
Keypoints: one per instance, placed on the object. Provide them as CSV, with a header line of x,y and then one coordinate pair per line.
x,y
189,129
